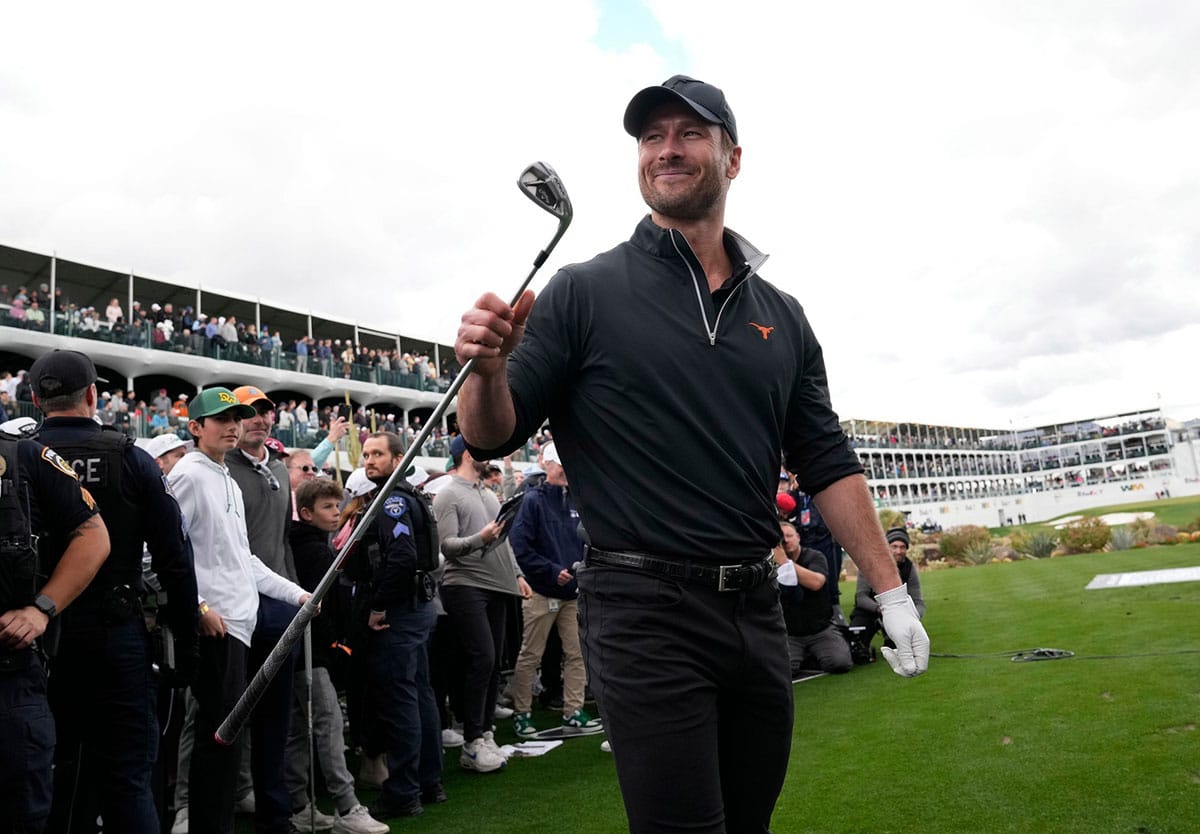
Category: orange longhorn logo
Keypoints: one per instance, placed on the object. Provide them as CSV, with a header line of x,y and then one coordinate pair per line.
x,y
765,331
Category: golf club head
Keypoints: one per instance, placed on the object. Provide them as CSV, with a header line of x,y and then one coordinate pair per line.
x,y
541,184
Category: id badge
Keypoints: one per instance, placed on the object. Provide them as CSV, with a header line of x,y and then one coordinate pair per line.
x,y
805,518
554,604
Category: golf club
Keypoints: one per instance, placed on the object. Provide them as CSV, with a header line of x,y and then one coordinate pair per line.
x,y
540,184
308,712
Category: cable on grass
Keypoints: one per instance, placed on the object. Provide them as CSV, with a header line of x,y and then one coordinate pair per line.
x,y
1026,655
1041,654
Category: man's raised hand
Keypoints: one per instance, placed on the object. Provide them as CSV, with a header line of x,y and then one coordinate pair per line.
x,y
491,330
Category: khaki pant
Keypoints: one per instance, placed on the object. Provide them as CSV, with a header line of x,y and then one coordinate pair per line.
x,y
539,619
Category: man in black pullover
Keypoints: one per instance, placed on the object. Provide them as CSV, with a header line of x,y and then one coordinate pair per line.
x,y
673,375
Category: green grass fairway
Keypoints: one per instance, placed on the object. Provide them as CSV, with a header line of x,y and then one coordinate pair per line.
x,y
1103,742
1174,511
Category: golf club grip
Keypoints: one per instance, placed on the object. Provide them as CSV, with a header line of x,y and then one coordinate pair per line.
x,y
231,727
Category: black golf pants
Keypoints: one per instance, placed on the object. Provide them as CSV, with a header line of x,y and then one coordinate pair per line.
x,y
694,688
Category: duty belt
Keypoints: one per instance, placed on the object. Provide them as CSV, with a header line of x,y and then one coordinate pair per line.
x,y
741,576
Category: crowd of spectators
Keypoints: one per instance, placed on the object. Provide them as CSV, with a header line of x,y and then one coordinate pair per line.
x,y
185,330
296,423
941,437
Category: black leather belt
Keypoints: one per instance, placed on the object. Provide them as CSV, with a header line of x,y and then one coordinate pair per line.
x,y
741,576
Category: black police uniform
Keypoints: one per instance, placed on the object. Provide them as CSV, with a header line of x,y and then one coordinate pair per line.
x,y
404,713
103,689
39,495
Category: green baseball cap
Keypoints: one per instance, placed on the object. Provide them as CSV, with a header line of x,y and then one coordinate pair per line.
x,y
217,400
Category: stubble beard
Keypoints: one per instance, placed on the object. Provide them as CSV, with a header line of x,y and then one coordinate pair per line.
x,y
695,203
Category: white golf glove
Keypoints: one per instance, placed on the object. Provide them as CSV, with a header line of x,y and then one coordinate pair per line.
x,y
911,655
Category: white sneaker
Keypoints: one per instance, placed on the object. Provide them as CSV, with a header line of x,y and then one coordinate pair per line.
x,y
310,819
451,738
502,712
373,772
489,738
181,822
478,756
605,746
358,820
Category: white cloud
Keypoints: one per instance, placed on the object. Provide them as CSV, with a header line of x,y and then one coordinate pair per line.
x,y
987,209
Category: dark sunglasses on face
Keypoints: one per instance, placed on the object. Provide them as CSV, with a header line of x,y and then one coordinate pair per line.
x,y
306,469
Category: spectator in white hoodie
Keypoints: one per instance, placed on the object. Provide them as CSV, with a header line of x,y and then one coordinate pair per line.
x,y
229,579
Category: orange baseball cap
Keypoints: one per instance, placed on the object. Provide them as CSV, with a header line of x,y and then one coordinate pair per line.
x,y
250,394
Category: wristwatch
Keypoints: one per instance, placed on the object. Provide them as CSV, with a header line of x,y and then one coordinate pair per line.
x,y
46,605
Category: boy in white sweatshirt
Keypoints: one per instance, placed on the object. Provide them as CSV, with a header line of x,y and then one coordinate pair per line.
x,y
229,579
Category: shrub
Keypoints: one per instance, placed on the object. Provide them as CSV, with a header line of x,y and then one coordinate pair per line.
x,y
891,518
1038,544
1162,534
979,552
1141,530
1086,535
1192,526
956,540
1123,538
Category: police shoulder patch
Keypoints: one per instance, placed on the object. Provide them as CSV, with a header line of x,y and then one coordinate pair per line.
x,y
51,457
394,506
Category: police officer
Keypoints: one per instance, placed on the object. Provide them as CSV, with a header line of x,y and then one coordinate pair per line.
x,y
39,496
401,621
103,690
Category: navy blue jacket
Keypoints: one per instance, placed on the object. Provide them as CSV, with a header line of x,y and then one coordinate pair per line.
x,y
545,539
392,531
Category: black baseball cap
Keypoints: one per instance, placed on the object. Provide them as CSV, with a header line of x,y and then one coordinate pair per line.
x,y
706,100
62,372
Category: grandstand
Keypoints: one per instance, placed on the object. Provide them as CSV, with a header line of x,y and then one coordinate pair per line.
x,y
941,475
949,475
137,352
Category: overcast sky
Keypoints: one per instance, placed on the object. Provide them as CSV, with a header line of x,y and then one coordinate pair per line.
x,y
990,210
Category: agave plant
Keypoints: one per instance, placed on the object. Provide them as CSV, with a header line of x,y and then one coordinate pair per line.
x,y
1122,538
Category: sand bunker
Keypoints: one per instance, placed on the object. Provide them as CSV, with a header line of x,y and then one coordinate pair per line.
x,y
1111,519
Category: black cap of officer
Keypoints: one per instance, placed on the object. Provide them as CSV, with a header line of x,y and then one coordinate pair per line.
x,y
62,372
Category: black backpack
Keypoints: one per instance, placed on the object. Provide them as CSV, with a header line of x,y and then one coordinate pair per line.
x,y
429,546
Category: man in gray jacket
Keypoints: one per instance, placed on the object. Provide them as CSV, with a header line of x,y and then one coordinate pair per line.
x,y
481,576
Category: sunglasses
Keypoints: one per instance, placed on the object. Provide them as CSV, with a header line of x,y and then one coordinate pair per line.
x,y
328,470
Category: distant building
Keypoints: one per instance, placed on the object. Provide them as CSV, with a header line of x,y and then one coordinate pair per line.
x,y
955,475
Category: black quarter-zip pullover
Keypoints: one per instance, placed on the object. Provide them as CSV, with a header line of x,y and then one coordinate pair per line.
x,y
670,404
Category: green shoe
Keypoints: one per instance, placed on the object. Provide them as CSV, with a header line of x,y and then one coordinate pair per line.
x,y
580,720
523,724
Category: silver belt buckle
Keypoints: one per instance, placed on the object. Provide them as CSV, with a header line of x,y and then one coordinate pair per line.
x,y
721,576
